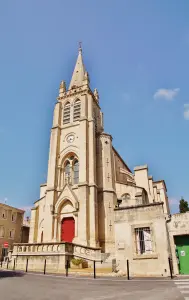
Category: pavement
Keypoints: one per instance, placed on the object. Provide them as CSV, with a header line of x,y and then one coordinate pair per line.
x,y
18,285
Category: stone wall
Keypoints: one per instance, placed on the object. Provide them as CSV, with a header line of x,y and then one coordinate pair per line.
x,y
55,254
177,225
153,263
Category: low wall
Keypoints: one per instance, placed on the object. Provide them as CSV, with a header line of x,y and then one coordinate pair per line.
x,y
54,264
34,256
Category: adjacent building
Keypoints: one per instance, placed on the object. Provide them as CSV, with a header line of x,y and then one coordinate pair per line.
x,y
11,221
25,230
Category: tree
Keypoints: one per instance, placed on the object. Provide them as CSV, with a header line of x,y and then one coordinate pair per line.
x,y
183,206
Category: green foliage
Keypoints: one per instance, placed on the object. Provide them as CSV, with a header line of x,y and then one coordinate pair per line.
x,y
77,261
183,206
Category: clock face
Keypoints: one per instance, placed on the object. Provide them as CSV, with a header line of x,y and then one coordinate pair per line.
x,y
70,138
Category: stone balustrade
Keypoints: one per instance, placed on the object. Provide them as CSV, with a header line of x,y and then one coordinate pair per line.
x,y
56,249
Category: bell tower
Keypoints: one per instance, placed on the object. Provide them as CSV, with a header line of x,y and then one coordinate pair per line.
x,y
71,189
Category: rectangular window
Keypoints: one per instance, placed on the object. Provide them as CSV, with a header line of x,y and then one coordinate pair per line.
x,y
4,214
13,217
11,233
143,240
2,232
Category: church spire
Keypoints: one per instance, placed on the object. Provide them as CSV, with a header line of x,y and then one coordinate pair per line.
x,y
79,71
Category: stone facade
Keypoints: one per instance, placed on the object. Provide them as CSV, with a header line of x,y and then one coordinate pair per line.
x,y
147,256
123,213
11,220
178,225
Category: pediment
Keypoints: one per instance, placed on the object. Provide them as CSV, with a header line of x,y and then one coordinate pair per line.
x,y
67,194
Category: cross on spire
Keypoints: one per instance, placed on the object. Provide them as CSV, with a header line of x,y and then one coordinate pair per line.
x,y
80,46
79,71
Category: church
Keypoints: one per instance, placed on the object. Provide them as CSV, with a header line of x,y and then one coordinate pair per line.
x,y
91,197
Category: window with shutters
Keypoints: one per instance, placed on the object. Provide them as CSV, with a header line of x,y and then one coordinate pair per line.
x,y
66,114
143,240
77,110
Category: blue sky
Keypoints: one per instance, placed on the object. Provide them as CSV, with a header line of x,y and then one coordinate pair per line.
x,y
136,53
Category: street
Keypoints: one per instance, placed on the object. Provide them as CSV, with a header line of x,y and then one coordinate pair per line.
x,y
16,286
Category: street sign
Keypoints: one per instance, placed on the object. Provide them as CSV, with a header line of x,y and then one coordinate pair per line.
x,y
6,245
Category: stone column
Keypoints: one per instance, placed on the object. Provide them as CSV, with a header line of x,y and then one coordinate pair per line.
x,y
32,225
83,190
107,204
52,174
93,205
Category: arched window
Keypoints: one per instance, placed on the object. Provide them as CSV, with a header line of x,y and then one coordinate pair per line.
x,y
77,110
76,172
125,197
71,169
66,116
67,172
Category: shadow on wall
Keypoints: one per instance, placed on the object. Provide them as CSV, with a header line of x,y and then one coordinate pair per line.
x,y
6,274
101,222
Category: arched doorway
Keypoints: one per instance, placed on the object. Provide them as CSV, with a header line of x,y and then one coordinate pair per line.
x,y
67,229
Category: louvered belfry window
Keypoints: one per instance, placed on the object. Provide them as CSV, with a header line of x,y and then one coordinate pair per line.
x,y
66,117
77,110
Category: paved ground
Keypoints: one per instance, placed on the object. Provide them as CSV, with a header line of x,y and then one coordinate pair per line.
x,y
15,286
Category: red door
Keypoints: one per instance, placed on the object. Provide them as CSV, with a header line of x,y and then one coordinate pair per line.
x,y
68,230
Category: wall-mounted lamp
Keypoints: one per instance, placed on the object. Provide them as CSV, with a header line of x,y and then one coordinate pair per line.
x,y
119,201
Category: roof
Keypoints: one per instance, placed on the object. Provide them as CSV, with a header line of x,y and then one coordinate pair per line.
x,y
12,207
79,71
121,159
158,181
137,168
39,199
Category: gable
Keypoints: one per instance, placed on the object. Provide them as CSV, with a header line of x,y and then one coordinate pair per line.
x,y
65,195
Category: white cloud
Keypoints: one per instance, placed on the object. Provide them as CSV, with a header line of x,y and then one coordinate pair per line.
x,y
167,94
186,111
